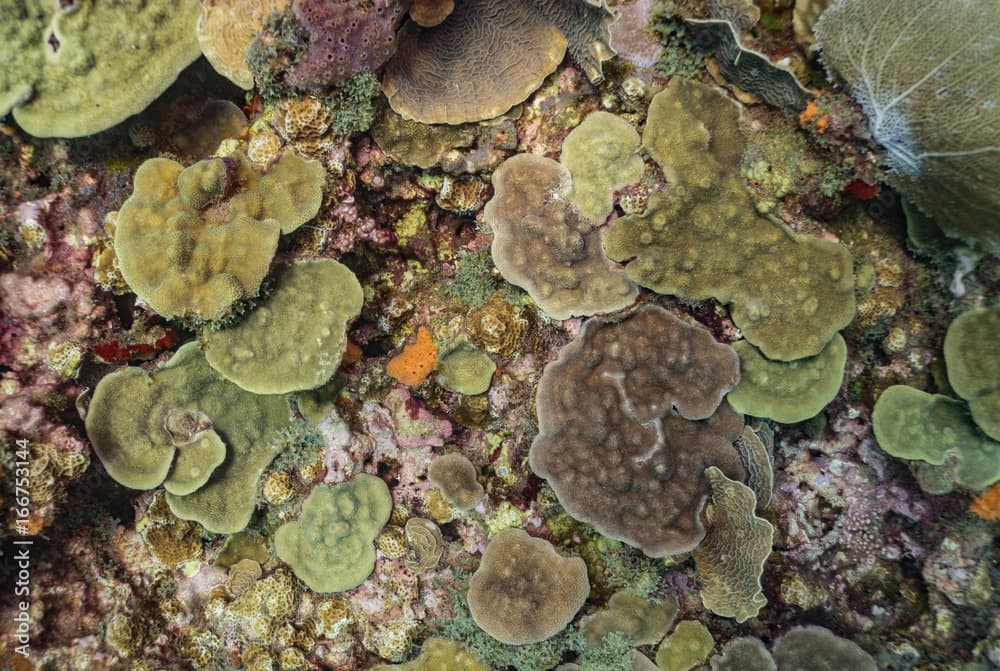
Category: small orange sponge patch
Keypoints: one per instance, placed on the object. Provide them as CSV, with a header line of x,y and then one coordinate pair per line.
x,y
412,366
987,504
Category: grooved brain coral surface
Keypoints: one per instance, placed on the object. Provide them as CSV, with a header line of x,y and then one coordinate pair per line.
x,y
524,591
544,244
630,415
345,39
128,424
225,30
731,558
192,241
927,74
105,61
486,57
330,547
295,339
789,293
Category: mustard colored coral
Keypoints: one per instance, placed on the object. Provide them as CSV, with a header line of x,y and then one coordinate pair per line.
x,y
439,654
193,241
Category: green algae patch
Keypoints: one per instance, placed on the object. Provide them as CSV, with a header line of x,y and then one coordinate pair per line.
x,y
167,425
466,370
193,241
789,293
973,361
788,391
602,155
77,71
912,424
331,547
295,339
686,648
730,560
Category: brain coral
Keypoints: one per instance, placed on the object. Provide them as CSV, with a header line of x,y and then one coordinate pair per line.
x,y
788,391
524,591
225,30
192,241
466,370
912,424
543,244
789,293
331,546
76,68
601,155
293,340
926,74
486,57
730,559
345,38
630,415
973,362
138,421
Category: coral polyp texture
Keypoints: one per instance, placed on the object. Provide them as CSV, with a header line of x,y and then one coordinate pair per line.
x,y
76,68
926,75
330,547
193,241
455,475
312,303
629,416
973,362
524,591
184,424
486,57
543,243
789,292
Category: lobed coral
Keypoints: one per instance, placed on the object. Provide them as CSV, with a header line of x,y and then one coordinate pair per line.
x,y
789,293
629,417
973,364
524,591
226,29
455,476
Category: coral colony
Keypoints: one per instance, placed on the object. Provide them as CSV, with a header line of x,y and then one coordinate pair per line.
x,y
499,335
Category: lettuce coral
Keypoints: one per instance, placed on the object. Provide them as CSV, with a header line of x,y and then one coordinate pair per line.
x,y
789,293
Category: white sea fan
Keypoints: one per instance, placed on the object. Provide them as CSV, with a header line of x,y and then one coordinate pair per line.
x,y
927,74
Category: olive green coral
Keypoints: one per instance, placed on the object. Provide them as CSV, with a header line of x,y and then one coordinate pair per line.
x,y
439,654
295,339
192,241
730,559
973,362
330,547
788,391
687,647
139,421
466,370
789,293
641,620
73,69
912,424
602,155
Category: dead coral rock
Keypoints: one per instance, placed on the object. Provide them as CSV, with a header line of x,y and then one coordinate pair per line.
x,y
545,245
630,415
455,476
225,30
524,591
486,57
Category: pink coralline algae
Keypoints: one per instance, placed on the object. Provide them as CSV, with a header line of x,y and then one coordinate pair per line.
x,y
345,38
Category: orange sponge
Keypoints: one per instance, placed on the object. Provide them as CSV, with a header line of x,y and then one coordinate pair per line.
x,y
416,361
987,504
